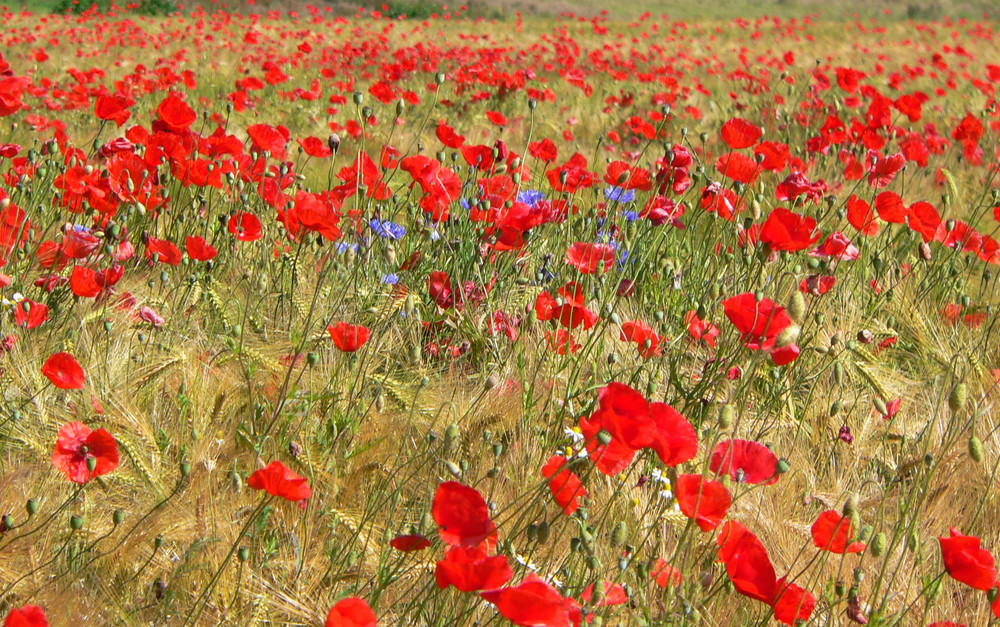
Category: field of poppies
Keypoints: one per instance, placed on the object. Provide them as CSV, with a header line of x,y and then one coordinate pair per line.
x,y
351,320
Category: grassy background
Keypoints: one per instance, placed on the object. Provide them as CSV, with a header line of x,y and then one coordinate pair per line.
x,y
836,10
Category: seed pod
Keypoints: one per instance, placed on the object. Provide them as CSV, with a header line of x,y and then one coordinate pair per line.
x,y
956,400
835,408
878,544
618,533
838,374
117,517
76,523
976,449
865,533
31,506
243,554
782,467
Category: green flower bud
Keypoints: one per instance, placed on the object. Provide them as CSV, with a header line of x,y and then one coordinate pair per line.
x,y
976,449
956,400
76,523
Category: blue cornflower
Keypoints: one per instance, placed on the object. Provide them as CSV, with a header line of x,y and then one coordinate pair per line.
x,y
530,197
342,247
630,216
617,194
390,279
388,229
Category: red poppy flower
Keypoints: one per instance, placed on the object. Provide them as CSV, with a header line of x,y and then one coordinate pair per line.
x,y
739,133
408,543
610,458
747,562
833,532
590,258
890,208
245,226
561,342
497,118
966,561
674,439
76,444
614,594
64,371
351,612
279,480
639,332
163,250
759,322
745,461
700,330
792,603
348,337
707,502
817,285
470,568
566,487
534,603
175,114
836,246
112,108
30,314
861,216
198,249
664,574
787,230
625,176
315,147
462,515
85,282
738,167
26,616
448,136
882,169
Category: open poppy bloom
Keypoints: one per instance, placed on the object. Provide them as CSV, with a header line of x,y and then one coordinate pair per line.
x,y
707,502
745,461
750,570
408,543
833,532
590,258
351,612
462,515
534,603
646,340
471,568
348,337
966,561
64,372
664,574
565,485
787,230
77,445
759,322
26,616
278,479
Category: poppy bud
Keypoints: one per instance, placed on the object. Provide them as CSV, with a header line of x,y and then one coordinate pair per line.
x,y
542,532
532,103
925,251
797,307
91,463
878,544
835,408
850,505
604,437
912,542
185,468
439,78
491,382
788,336
992,593
783,466
838,372
333,141
497,449
358,98
117,517
618,533
880,406
726,416
956,400
31,506
840,588
976,449
76,523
